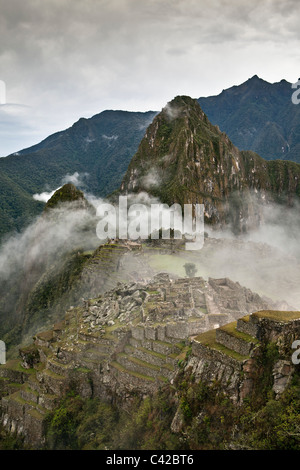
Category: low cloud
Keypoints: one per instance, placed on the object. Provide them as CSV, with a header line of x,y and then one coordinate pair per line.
x,y
45,196
171,111
152,179
110,137
76,178
136,55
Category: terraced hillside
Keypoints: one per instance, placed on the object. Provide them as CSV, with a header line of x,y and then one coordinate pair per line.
x,y
126,342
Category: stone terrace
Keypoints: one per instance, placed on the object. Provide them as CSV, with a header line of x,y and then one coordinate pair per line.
x,y
227,354
127,341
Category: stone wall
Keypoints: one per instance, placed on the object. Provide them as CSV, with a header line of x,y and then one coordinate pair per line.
x,y
209,365
235,344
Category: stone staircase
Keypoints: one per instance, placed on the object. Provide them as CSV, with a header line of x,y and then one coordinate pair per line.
x,y
149,357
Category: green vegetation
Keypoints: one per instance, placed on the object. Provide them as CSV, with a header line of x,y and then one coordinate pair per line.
x,y
277,315
208,418
10,441
94,425
172,263
190,269
195,163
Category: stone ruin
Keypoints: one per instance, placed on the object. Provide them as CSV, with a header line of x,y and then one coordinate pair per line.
x,y
194,305
125,342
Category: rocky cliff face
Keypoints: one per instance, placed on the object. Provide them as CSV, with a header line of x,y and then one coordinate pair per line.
x,y
228,354
183,158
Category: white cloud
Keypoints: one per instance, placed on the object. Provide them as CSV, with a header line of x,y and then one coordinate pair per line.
x,y
76,179
72,59
44,197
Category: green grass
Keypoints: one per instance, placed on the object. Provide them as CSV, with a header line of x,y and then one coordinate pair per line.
x,y
277,315
3,378
230,328
169,263
27,388
180,345
59,364
110,337
110,329
54,375
203,310
181,356
194,319
163,379
162,343
153,353
95,361
36,414
15,365
168,366
174,264
84,370
139,362
246,319
17,398
120,368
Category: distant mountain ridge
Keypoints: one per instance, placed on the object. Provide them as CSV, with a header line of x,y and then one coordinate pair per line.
x,y
256,115
100,147
259,116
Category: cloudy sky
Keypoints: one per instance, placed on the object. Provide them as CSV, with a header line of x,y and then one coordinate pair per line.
x,y
66,59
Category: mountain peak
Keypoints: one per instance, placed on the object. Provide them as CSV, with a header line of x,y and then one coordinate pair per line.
x,y
182,100
184,159
181,106
177,157
256,82
67,193
255,77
